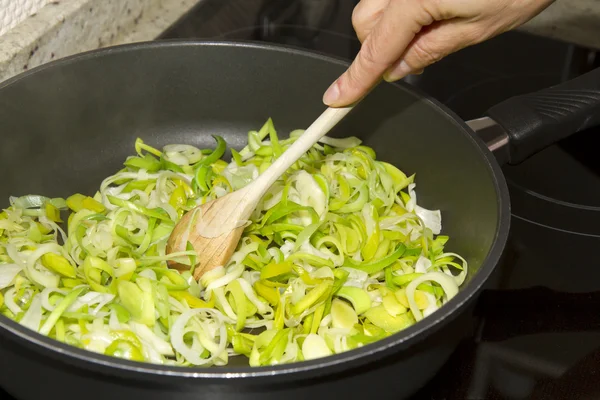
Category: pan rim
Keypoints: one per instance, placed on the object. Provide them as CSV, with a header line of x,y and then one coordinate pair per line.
x,y
300,370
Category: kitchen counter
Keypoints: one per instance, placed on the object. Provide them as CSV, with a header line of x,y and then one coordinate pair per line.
x,y
573,21
66,27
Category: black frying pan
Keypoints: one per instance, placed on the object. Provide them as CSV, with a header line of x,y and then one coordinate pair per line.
x,y
68,124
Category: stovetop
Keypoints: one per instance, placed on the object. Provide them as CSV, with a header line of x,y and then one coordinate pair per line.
x,y
538,334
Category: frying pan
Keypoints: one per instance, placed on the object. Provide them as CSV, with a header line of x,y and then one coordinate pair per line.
x,y
68,124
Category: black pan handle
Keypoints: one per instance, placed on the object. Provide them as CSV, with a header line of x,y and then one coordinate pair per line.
x,y
536,120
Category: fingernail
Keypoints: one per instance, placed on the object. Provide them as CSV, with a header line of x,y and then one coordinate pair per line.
x,y
332,94
398,72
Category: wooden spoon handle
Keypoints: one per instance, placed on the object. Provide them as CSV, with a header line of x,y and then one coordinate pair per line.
x,y
327,120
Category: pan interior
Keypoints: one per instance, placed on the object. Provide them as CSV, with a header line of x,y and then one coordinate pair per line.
x,y
67,127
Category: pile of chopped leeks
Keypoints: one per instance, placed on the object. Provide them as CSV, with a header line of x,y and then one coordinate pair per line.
x,y
337,255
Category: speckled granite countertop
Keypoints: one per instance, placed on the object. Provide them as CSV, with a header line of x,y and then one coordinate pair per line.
x,y
66,27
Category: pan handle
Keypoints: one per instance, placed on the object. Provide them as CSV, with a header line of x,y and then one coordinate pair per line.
x,y
534,121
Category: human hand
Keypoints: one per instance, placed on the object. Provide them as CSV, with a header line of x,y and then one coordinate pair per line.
x,y
402,37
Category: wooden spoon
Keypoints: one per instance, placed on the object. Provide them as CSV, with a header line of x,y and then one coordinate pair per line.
x,y
214,228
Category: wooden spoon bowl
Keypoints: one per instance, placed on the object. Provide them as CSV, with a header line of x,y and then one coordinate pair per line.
x,y
214,228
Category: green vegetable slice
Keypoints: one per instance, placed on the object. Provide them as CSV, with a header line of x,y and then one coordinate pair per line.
x,y
338,254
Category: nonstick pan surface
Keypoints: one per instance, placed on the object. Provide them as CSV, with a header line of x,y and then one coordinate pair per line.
x,y
68,124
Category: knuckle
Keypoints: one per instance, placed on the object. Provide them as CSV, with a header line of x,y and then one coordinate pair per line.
x,y
368,57
358,78
474,35
372,58
437,9
427,53
358,16
355,79
365,16
366,69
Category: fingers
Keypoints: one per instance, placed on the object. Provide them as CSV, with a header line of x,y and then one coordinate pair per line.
x,y
366,15
433,44
383,46
395,45
461,24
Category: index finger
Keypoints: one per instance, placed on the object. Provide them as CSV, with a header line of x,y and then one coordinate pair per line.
x,y
401,21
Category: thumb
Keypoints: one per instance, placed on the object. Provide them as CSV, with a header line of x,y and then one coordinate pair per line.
x,y
383,46
432,44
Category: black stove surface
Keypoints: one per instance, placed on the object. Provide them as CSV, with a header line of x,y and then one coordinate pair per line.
x,y
538,335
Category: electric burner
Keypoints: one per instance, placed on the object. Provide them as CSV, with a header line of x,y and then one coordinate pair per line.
x,y
317,25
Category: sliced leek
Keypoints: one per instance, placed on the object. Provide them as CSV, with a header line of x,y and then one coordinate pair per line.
x,y
336,256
